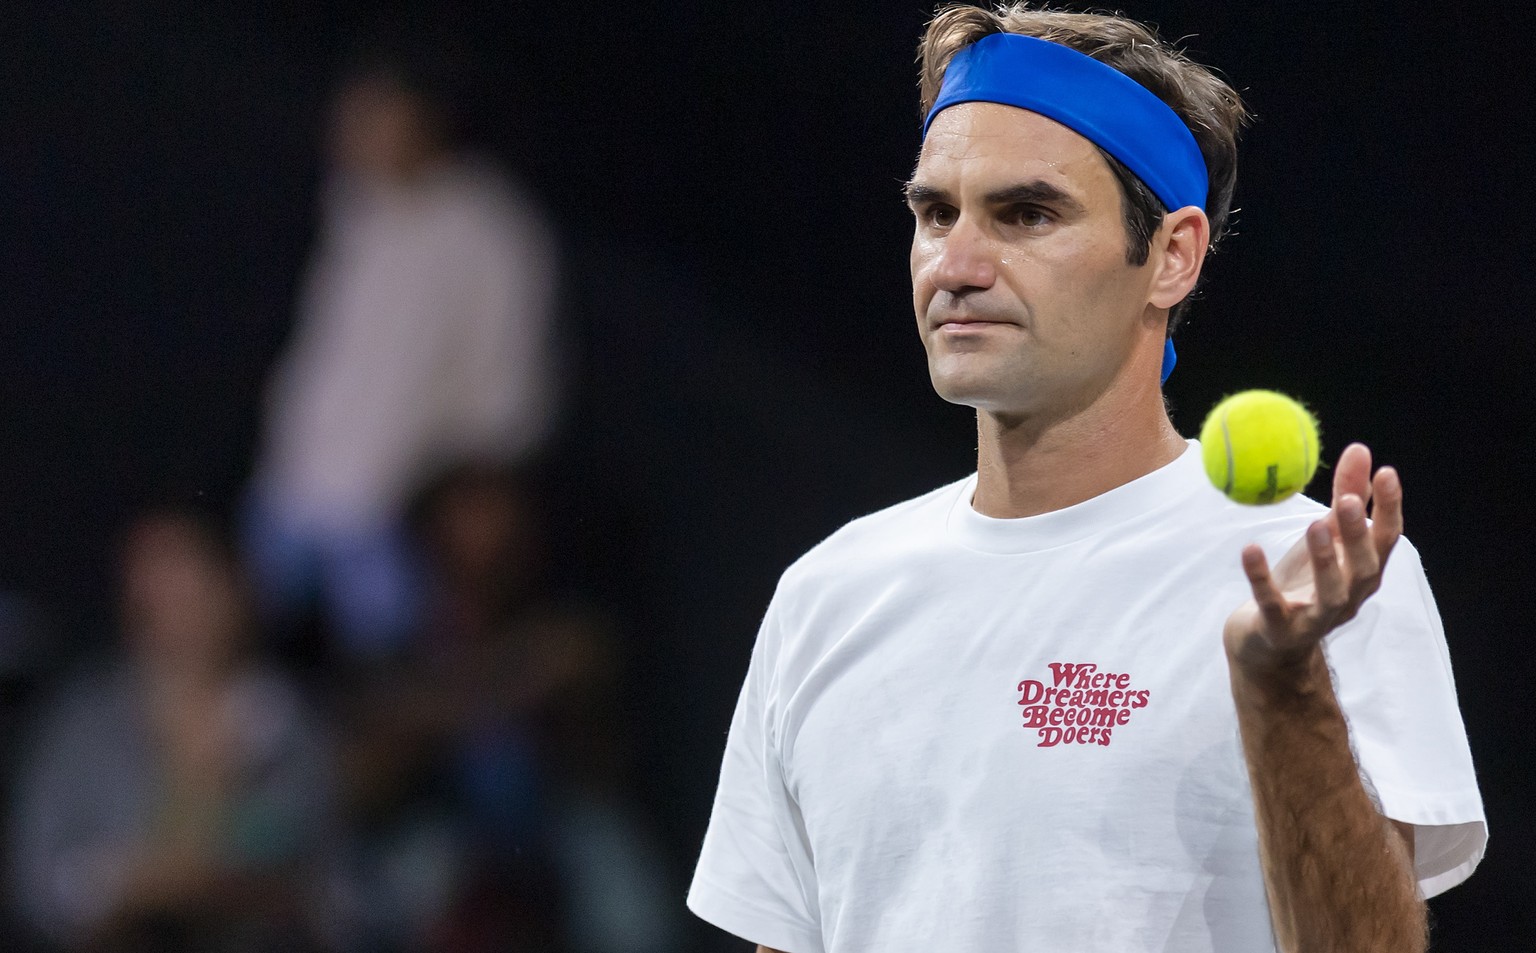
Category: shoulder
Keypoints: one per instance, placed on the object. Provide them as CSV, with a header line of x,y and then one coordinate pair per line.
x,y
889,531
100,692
1202,515
873,544
1275,524
1278,526
84,723
477,193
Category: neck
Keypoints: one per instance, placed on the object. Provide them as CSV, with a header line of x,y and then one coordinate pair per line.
x,y
1033,464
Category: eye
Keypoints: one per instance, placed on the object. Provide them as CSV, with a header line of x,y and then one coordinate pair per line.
x,y
1030,216
939,216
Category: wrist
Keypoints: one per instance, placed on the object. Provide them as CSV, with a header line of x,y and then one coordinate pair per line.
x,y
1270,678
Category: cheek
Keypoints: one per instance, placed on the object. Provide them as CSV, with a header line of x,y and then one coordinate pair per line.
x,y
1084,275
918,261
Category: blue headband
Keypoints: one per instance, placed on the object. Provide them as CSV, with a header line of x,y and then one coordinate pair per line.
x,y
1093,99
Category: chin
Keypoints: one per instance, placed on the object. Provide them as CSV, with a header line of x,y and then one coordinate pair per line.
x,y
973,391
983,384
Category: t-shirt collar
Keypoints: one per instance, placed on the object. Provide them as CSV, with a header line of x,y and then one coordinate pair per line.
x,y
1163,487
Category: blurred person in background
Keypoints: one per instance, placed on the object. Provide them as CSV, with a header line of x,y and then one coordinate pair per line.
x,y
421,337
485,769
177,796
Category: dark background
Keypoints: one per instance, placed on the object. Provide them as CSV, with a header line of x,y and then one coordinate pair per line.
x,y
743,372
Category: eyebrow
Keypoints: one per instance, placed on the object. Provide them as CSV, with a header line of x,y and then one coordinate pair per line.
x,y
1035,192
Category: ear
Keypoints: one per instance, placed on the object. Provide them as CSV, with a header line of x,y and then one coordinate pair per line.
x,y
1178,253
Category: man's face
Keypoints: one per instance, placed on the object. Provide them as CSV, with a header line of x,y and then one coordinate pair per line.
x,y
379,129
1024,299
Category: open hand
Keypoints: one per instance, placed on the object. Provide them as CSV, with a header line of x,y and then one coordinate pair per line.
x,y
1322,582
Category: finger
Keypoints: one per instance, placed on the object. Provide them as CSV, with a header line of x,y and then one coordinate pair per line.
x,y
1362,561
1266,595
1353,473
1327,576
1387,514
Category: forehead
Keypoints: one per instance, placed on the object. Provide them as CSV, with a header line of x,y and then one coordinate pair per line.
x,y
984,145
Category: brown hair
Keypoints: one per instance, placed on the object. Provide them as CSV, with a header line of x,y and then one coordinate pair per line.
x,y
1211,109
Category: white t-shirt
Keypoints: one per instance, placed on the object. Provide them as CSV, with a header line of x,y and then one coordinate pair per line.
x,y
965,733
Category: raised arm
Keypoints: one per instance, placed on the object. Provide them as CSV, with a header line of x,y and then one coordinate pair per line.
x,y
1339,876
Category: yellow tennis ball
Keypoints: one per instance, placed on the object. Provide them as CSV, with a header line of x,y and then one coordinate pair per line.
x,y
1259,446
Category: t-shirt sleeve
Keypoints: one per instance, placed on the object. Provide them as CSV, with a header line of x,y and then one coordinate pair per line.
x,y
754,877
1392,674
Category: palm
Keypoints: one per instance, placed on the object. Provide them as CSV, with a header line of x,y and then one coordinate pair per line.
x,y
1321,582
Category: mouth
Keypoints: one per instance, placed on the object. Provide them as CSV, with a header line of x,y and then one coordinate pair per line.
x,y
968,325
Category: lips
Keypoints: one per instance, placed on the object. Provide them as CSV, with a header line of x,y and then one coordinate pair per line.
x,y
968,324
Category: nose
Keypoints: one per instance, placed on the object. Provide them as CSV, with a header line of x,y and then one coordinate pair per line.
x,y
965,260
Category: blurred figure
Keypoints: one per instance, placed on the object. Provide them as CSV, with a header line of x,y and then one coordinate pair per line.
x,y
485,769
176,798
421,337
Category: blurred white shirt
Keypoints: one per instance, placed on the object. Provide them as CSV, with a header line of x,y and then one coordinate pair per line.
x,y
422,337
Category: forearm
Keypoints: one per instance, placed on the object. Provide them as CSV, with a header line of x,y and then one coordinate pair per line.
x,y
1338,876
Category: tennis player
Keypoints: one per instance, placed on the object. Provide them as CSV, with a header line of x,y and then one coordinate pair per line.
x,y
1079,700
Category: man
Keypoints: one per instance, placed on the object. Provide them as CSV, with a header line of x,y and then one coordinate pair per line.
x,y
1066,703
422,340
176,794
